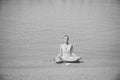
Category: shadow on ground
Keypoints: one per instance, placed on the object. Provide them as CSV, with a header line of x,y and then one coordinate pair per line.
x,y
1,77
70,62
117,77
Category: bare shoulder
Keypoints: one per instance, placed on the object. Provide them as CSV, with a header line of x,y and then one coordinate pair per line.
x,y
71,45
61,45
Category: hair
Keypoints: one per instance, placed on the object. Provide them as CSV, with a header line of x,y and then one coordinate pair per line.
x,y
66,36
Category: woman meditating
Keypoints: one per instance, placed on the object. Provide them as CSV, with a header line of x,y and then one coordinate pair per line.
x,y
66,52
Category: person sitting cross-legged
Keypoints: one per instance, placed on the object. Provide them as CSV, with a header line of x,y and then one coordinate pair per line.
x,y
66,52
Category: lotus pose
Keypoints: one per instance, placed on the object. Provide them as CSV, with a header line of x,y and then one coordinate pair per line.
x,y
66,52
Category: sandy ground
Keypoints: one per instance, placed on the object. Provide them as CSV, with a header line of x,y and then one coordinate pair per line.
x,y
33,69
32,30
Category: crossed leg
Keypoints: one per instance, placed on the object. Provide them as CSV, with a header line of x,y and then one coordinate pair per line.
x,y
69,59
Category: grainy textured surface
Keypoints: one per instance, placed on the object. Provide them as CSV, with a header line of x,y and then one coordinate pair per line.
x,y
32,30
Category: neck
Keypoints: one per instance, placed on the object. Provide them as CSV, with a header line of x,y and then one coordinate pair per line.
x,y
67,43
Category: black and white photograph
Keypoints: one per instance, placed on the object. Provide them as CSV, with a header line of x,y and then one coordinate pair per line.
x,y
59,39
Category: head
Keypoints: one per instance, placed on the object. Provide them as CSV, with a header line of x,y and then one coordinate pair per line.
x,y
66,39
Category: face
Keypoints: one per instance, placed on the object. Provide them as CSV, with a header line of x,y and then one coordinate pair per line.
x,y
66,39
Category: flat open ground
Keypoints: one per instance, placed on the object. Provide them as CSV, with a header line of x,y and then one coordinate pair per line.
x,y
32,30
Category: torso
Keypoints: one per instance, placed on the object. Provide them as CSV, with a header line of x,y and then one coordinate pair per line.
x,y
66,50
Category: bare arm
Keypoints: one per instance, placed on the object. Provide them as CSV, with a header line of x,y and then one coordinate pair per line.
x,y
72,51
60,53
